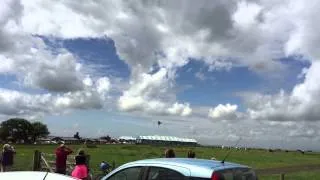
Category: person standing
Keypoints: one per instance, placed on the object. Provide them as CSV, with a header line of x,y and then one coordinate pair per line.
x,y
169,153
81,170
81,157
191,154
62,153
7,157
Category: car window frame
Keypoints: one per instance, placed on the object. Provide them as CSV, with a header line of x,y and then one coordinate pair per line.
x,y
141,175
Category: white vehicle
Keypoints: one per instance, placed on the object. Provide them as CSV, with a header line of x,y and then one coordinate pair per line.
x,y
33,175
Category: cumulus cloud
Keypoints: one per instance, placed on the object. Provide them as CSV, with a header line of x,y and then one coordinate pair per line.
x,y
172,32
181,109
16,103
59,74
300,104
148,93
35,65
200,76
221,34
225,112
167,35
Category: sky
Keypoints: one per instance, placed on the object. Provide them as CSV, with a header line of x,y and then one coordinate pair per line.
x,y
216,71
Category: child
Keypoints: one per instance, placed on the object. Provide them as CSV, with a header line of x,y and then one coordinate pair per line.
x,y
80,170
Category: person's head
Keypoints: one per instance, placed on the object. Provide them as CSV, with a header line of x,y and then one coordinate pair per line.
x,y
62,146
81,152
6,147
104,166
169,153
191,154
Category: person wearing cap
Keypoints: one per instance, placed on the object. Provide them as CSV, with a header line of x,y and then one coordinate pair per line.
x,y
7,157
62,153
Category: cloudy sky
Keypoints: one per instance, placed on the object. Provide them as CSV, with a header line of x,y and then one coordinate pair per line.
x,y
211,70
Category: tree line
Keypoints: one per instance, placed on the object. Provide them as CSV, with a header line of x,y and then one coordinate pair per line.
x,y
18,130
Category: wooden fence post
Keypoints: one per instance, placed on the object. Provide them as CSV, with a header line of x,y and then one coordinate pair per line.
x,y
36,161
282,176
113,165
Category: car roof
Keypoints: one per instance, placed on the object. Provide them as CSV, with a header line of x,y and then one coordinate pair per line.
x,y
33,175
196,167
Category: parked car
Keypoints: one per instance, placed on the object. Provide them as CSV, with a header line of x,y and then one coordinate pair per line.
x,y
181,169
33,175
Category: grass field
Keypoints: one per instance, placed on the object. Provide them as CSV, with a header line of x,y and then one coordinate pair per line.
x,y
126,153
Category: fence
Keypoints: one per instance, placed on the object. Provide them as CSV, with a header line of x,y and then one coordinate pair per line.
x,y
281,171
46,162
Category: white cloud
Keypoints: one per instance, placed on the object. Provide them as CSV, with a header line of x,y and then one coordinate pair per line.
x,y
36,66
160,34
57,74
16,103
165,34
225,112
148,92
301,104
200,76
222,34
181,109
246,14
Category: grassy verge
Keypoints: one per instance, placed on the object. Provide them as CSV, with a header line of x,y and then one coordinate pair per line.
x,y
126,153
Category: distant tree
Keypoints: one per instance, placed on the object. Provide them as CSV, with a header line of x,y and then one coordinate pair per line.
x,y
16,129
39,130
77,136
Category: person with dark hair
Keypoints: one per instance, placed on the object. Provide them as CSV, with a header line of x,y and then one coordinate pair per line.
x,y
62,153
169,153
191,154
7,157
81,158
81,170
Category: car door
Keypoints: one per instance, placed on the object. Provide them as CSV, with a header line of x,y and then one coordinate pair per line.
x,y
161,173
130,173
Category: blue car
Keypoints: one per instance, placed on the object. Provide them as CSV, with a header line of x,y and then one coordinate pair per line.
x,y
181,169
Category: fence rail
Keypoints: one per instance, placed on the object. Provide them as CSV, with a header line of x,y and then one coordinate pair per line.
x,y
46,162
287,170
41,162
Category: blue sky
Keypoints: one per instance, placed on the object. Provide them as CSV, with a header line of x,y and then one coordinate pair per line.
x,y
235,69
219,87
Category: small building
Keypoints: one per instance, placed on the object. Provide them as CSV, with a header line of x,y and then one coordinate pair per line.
x,y
127,139
92,141
45,140
166,140
67,140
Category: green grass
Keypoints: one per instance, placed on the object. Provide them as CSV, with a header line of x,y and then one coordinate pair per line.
x,y
314,175
126,153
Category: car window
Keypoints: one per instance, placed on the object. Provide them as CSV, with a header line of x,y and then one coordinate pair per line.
x,y
157,173
133,173
236,174
244,174
226,175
